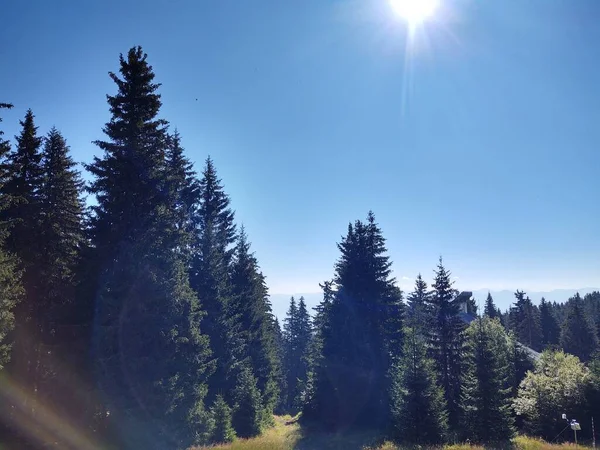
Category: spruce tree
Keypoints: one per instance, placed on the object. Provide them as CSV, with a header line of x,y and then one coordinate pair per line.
x,y
210,277
363,337
222,432
549,325
59,332
20,216
151,357
524,321
446,341
486,397
21,189
290,359
417,313
248,409
184,192
10,282
11,293
419,414
259,331
490,309
297,337
578,335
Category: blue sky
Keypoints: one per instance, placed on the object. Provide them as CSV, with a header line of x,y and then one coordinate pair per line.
x,y
481,142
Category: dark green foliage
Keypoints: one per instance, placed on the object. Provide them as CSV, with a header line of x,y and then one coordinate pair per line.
x,y
210,278
222,431
524,321
259,331
20,217
591,303
297,339
61,228
151,358
183,190
446,340
490,309
362,338
418,406
10,282
248,410
417,314
486,396
11,293
20,190
549,324
578,335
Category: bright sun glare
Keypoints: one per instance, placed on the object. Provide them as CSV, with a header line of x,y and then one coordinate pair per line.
x,y
414,12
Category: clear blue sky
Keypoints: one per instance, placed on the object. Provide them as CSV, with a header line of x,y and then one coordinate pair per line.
x,y
488,153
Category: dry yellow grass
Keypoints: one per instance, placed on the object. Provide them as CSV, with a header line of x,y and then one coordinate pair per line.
x,y
287,435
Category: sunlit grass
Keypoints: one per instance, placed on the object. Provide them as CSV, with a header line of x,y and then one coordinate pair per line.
x,y
287,435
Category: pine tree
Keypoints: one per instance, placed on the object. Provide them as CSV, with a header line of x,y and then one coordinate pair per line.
x,y
549,325
59,338
524,320
417,313
281,407
252,309
248,413
20,216
418,405
446,341
222,432
11,293
486,399
578,335
61,228
10,282
363,337
151,358
184,191
297,336
290,360
210,278
490,309
21,191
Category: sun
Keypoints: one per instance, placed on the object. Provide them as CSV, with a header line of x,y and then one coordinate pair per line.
x,y
414,12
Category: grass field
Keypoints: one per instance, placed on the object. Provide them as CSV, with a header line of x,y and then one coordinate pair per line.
x,y
287,435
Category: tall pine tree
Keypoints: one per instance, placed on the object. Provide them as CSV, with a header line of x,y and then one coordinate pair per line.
x,y
10,286
20,215
362,339
549,325
210,278
417,313
578,335
297,338
151,358
258,328
486,398
60,337
524,321
446,341
418,405
490,309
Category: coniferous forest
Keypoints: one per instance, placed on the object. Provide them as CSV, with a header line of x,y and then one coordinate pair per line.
x,y
134,314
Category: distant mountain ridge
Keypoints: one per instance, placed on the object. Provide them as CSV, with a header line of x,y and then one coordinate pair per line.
x,y
503,299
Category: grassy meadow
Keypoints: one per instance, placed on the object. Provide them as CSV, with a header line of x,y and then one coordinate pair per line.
x,y
288,435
